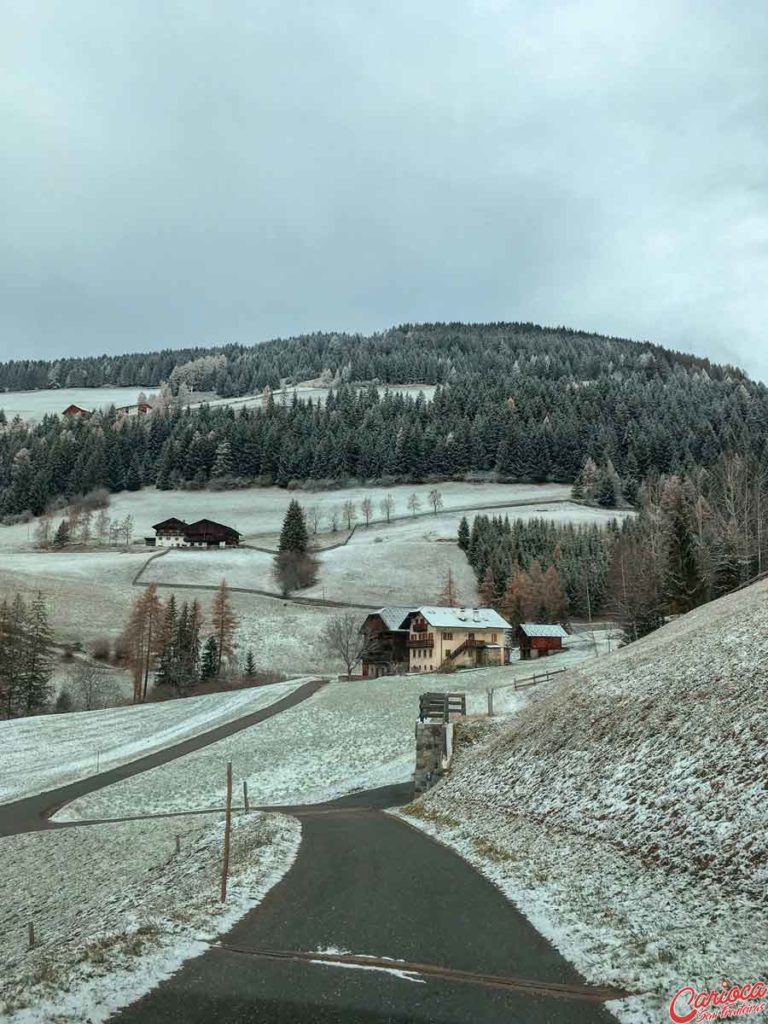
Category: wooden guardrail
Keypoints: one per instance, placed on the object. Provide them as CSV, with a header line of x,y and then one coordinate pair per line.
x,y
441,706
522,684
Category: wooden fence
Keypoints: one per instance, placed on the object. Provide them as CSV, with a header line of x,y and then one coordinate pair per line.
x,y
523,684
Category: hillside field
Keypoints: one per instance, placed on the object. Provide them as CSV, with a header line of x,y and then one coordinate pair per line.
x,y
90,592
623,809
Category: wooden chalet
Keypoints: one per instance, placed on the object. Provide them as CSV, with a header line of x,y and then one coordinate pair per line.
x,y
537,639
140,409
386,649
76,411
205,533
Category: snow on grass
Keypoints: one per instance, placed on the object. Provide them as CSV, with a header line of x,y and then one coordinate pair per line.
x,y
116,910
47,751
403,562
623,808
36,404
349,736
88,594
316,392
257,511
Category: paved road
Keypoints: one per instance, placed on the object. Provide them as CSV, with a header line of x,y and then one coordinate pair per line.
x,y
31,814
367,883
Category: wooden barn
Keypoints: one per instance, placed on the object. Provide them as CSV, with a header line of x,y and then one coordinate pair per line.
x,y
537,640
75,411
205,533
387,632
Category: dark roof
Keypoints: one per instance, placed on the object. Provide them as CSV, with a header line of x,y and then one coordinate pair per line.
x,y
204,527
170,524
76,408
393,618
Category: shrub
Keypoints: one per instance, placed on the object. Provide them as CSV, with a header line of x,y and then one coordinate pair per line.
x,y
101,648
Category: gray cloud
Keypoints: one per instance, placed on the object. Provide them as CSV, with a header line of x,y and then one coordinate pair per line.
x,y
193,173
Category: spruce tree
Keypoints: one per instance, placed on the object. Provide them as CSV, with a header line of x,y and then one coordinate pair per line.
x,y
35,689
250,664
209,667
293,536
464,534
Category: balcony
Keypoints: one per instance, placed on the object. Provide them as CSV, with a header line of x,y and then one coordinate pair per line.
x,y
421,640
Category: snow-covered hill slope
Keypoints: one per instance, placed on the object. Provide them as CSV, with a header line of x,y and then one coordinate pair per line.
x,y
45,751
624,808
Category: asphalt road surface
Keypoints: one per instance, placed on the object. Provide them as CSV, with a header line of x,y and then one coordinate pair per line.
x,y
367,884
32,813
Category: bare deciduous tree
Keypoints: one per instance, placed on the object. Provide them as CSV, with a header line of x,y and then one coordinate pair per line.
x,y
414,503
387,506
435,500
349,512
343,638
366,506
91,687
314,516
333,518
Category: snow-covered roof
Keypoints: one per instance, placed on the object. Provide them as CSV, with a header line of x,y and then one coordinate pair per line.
x,y
540,629
463,618
393,617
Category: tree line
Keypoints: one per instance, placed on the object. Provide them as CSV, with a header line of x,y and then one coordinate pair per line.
x,y
694,537
513,402
164,642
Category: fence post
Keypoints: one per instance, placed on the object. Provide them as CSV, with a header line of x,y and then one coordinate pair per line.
x,y
490,702
227,827
31,935
178,844
245,795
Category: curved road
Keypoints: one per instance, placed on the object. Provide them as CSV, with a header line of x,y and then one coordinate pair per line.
x,y
364,883
32,813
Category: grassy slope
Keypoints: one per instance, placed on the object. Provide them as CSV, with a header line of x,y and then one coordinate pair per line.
x,y
624,808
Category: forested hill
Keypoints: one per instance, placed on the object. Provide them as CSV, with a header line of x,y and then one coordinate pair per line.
x,y
426,353
522,402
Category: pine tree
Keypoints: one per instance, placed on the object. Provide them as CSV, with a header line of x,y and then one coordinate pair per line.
x,y
464,534
293,536
210,664
488,589
250,664
61,537
35,689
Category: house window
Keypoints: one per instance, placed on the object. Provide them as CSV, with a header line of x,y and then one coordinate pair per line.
x,y
447,636
493,638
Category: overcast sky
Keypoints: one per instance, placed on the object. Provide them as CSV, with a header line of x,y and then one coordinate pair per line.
x,y
199,172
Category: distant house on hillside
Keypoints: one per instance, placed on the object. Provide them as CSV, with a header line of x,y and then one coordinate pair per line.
x,y
205,533
75,411
428,638
537,639
140,409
